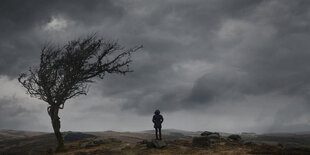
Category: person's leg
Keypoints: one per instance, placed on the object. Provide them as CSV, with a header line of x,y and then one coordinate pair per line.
x,y
159,133
156,132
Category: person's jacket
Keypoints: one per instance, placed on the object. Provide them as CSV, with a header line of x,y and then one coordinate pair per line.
x,y
157,120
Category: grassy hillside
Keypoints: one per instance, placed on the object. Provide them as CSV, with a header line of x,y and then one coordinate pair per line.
x,y
179,142
13,134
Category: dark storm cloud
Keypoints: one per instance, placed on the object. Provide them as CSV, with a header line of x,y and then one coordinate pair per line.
x,y
197,55
20,44
279,64
257,48
173,33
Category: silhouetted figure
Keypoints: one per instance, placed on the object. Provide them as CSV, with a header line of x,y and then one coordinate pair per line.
x,y
157,120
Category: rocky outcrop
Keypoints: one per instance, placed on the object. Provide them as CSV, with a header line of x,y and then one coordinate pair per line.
x,y
206,139
234,138
214,137
154,144
206,133
159,143
101,141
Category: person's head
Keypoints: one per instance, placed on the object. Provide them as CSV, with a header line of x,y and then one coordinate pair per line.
x,y
157,112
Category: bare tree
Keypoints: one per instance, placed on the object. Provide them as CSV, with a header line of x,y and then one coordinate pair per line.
x,y
65,72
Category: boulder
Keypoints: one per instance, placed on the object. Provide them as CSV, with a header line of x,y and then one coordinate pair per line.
x,y
214,138
206,133
207,138
88,144
159,143
201,141
155,144
234,138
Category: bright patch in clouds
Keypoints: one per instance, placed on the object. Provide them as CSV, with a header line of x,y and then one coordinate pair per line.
x,y
56,24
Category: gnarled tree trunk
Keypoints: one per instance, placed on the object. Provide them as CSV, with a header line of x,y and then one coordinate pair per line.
x,y
53,112
65,72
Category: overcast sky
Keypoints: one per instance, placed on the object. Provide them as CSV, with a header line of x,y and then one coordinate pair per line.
x,y
218,65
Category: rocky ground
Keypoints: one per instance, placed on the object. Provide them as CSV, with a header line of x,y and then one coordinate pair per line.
x,y
224,146
110,142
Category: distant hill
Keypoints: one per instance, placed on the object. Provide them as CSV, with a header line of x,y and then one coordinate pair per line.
x,y
14,134
171,130
304,132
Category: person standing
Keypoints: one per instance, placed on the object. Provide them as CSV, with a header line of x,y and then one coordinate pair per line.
x,y
157,120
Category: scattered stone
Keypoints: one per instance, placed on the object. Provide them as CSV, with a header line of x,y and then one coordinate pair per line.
x,y
201,141
143,148
234,138
88,144
101,141
127,147
84,144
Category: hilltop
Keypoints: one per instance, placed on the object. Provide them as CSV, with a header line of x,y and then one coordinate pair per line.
x,y
178,142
